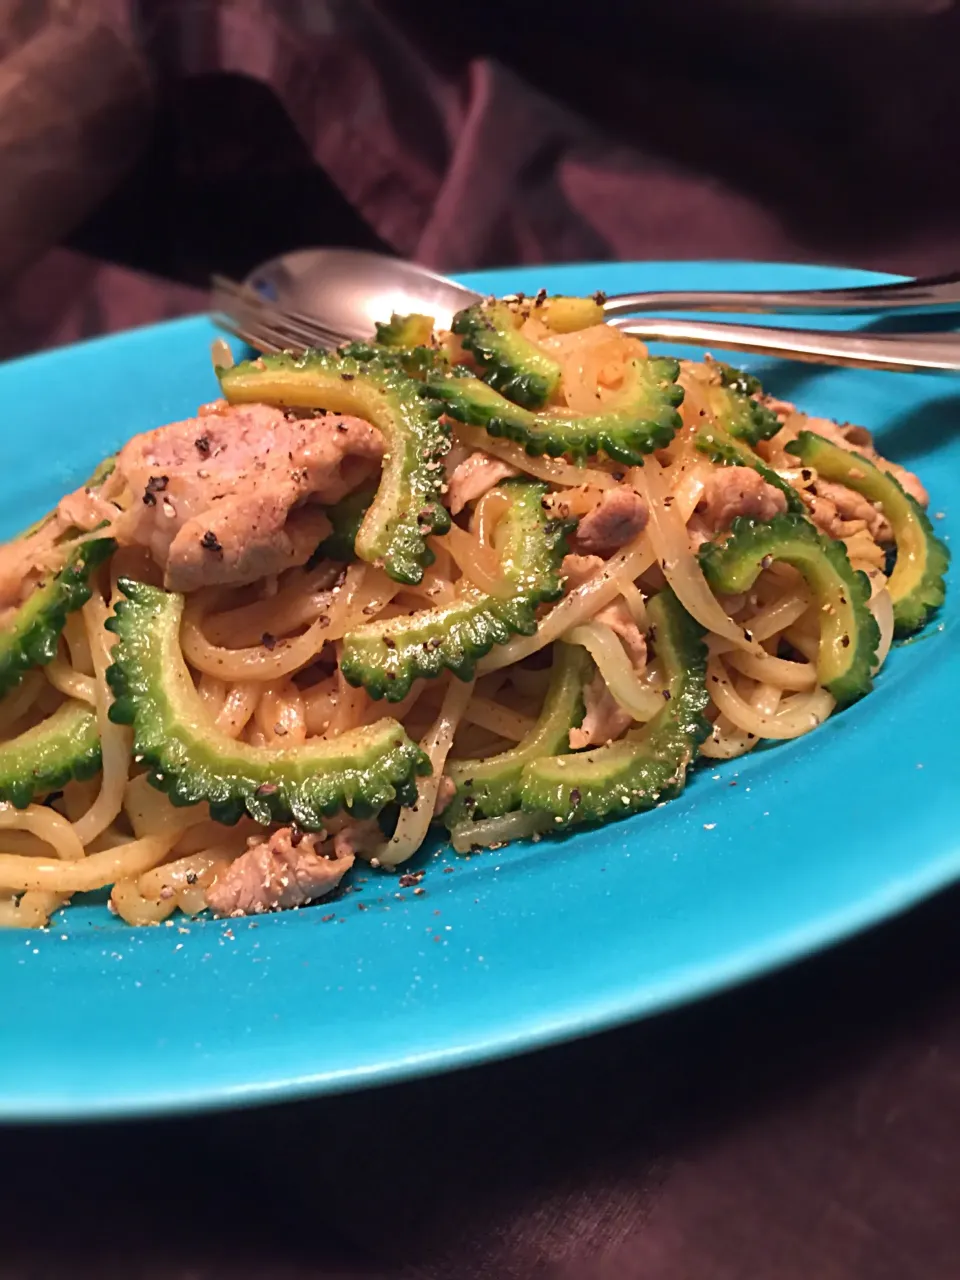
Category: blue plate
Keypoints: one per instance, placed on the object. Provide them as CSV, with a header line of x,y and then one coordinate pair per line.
x,y
507,950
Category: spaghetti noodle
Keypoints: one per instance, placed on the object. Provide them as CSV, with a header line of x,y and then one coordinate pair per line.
x,y
264,649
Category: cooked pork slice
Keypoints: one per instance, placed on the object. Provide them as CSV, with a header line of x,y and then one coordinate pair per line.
x,y
475,476
225,497
604,718
616,519
288,869
619,619
580,569
445,793
856,440
840,512
738,491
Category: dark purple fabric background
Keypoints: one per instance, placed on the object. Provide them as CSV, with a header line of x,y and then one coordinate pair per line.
x,y
175,137
806,1127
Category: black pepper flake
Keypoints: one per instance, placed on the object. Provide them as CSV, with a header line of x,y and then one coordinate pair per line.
x,y
410,878
210,542
599,297
666,695
361,906
575,796
541,298
202,445
327,919
346,377
389,642
191,877
268,640
845,641
296,836
156,484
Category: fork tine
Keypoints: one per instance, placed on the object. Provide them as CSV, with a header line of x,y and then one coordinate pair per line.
x,y
293,328
258,333
256,340
299,320
259,329
273,327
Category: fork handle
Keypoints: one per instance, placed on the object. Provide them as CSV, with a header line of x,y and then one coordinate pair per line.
x,y
906,297
899,352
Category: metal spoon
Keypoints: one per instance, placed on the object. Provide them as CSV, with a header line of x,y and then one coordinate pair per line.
x,y
347,290
326,297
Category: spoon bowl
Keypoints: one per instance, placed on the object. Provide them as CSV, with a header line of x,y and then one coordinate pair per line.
x,y
352,289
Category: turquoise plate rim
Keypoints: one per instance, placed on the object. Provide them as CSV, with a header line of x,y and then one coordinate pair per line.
x,y
104,1021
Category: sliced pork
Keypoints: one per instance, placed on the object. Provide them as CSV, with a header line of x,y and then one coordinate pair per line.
x,y
855,440
580,569
476,475
840,512
738,491
231,495
604,719
858,440
616,519
289,869
619,619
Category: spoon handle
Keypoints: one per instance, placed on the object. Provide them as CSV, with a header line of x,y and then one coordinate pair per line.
x,y
906,297
898,352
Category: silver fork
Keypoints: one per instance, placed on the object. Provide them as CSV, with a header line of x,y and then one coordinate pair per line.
x,y
269,328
